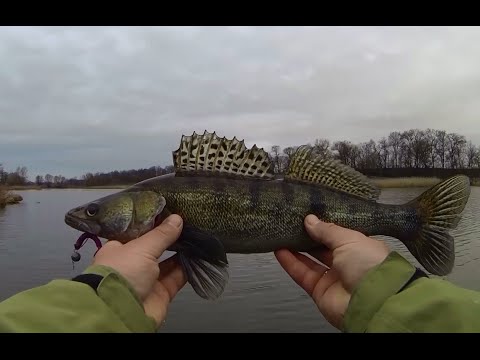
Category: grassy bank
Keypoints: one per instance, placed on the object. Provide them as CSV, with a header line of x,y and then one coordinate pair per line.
x,y
107,187
3,197
408,182
399,182
36,187
7,197
405,182
24,187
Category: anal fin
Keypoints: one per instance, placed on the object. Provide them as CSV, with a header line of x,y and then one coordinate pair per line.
x,y
203,260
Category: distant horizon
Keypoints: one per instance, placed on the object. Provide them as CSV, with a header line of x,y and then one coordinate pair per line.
x,y
87,99
413,148
248,144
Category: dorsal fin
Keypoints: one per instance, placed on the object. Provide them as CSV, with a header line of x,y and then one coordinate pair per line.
x,y
209,154
307,167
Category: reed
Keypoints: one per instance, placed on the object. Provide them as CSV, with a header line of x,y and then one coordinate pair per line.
x,y
3,196
406,182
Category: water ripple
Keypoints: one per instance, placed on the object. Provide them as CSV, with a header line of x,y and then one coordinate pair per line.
x,y
35,247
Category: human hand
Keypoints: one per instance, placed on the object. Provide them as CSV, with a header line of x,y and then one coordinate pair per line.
x,y
156,284
348,256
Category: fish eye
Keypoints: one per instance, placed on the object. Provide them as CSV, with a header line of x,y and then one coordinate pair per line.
x,y
91,209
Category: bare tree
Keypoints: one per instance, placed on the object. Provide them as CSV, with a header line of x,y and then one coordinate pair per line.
x,y
369,156
275,154
383,147
420,150
471,154
441,146
288,151
322,148
414,148
39,180
3,175
476,159
431,140
355,156
22,173
48,179
456,147
344,151
395,142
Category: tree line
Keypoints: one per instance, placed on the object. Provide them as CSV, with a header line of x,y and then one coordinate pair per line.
x,y
428,152
410,149
19,177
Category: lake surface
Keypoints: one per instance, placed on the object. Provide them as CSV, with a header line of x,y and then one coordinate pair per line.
x,y
35,247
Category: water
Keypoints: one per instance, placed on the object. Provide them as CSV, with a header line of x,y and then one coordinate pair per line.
x,y
35,247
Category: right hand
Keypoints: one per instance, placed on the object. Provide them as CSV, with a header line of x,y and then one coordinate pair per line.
x,y
348,256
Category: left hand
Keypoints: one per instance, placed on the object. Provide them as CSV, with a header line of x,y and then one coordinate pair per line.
x,y
137,261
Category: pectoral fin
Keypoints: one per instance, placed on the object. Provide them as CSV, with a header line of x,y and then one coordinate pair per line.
x,y
204,261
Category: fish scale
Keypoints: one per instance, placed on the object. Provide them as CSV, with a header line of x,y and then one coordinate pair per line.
x,y
231,202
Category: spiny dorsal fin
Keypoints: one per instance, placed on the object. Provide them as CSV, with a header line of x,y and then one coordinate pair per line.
x,y
209,154
310,168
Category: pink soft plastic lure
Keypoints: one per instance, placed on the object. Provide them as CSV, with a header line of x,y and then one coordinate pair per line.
x,y
81,241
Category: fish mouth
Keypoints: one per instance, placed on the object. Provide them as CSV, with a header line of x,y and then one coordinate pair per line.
x,y
82,225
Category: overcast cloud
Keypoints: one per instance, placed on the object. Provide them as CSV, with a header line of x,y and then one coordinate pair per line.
x,y
74,100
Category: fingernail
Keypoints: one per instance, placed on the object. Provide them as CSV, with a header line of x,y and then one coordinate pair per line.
x,y
174,220
312,220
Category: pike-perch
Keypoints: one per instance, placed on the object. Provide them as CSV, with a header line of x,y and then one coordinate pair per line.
x,y
231,202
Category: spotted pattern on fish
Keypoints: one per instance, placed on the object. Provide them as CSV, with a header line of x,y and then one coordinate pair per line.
x,y
254,195
230,204
288,193
212,155
317,207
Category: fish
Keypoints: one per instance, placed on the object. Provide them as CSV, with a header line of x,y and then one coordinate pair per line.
x,y
231,201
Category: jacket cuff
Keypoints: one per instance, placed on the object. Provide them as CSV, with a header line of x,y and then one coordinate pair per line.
x,y
121,298
379,284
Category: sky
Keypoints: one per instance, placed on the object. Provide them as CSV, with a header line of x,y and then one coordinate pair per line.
x,y
86,99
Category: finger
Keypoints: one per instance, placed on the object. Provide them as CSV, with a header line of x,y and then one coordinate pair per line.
x,y
157,302
173,281
111,244
304,271
310,263
105,248
167,265
314,275
156,241
323,255
328,234
328,279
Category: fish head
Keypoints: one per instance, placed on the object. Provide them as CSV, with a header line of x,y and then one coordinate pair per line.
x,y
122,216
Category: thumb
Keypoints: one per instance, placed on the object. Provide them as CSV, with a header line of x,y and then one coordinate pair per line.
x,y
331,235
156,241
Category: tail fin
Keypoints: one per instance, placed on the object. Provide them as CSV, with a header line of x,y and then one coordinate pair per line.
x,y
439,209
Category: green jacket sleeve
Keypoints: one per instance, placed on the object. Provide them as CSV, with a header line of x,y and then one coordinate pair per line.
x,y
71,306
382,302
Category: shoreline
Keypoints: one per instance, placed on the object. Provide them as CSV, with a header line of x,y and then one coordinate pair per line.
x,y
381,182
36,187
7,197
412,182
